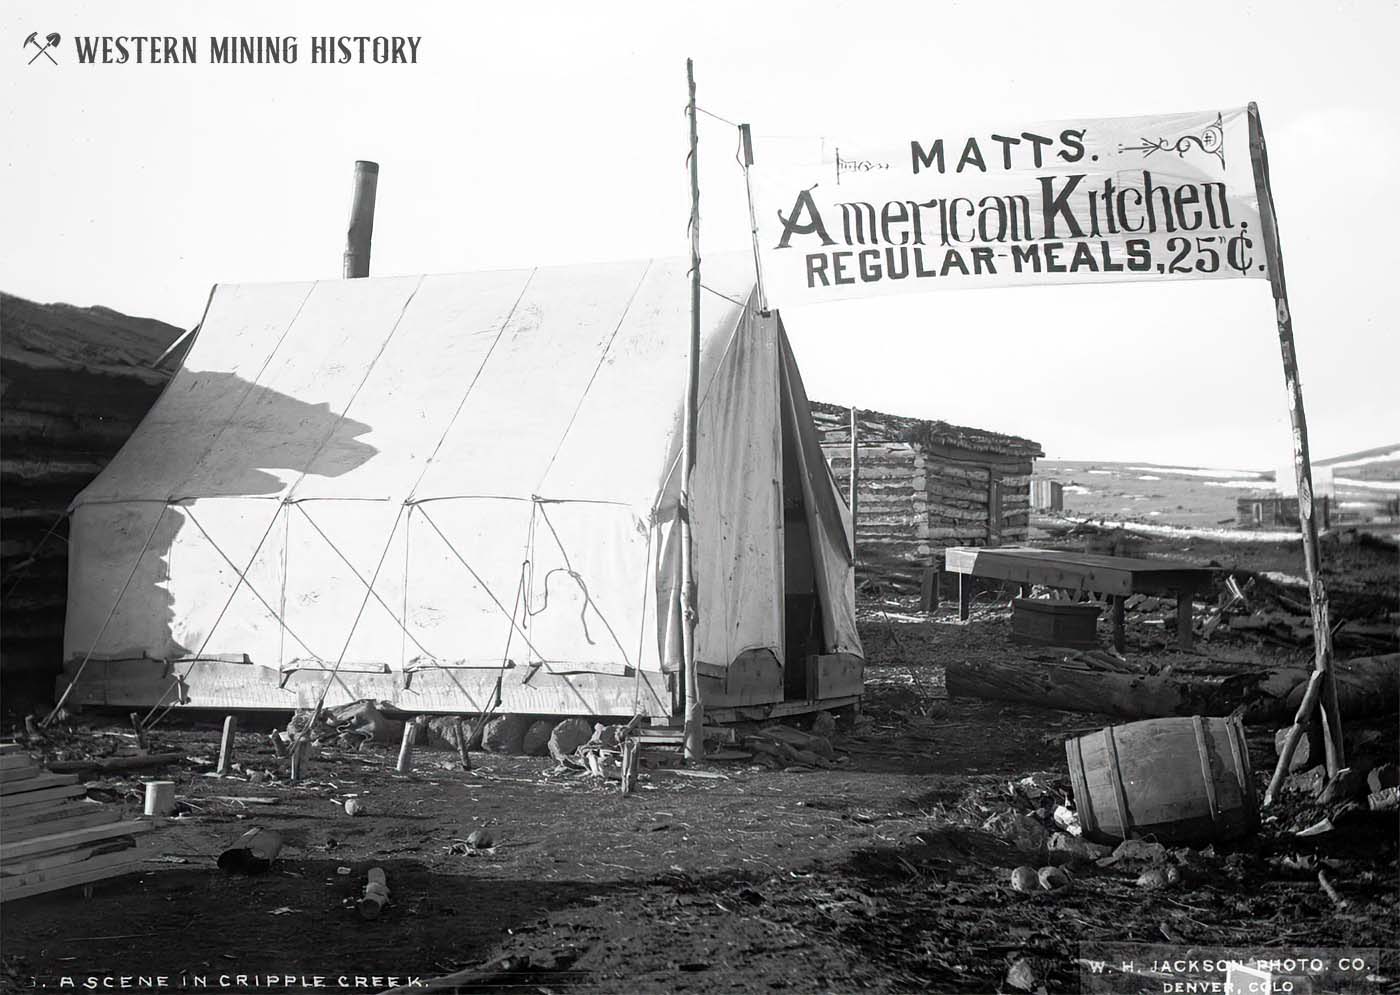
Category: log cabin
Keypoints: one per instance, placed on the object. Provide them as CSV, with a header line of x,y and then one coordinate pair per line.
x,y
76,381
924,486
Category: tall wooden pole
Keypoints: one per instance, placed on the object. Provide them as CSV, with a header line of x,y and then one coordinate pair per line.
x,y
694,710
746,140
1322,685
361,230
855,479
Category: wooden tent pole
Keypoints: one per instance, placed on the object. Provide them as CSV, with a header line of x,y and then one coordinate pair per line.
x,y
746,139
1322,686
694,710
855,478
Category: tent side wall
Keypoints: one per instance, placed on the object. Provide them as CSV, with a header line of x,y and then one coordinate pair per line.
x,y
294,519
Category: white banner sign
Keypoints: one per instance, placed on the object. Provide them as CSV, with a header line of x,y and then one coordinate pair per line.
x,y
1169,197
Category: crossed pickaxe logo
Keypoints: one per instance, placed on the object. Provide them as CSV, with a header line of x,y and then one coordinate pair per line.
x,y
50,41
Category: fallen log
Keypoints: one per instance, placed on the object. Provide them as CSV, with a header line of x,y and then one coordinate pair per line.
x,y
1365,686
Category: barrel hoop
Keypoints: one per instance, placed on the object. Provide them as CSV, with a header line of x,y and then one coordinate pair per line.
x,y
1120,797
1246,773
1241,775
1206,777
1088,818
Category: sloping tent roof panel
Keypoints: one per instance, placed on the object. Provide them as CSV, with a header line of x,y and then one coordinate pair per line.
x,y
497,452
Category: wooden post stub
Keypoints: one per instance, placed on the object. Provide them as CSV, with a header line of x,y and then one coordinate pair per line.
x,y
141,741
278,746
460,728
226,745
298,760
410,734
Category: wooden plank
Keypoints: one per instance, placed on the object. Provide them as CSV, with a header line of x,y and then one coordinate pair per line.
x,y
97,868
214,684
15,760
18,774
75,837
98,817
835,675
37,783
8,748
778,710
48,860
28,798
40,813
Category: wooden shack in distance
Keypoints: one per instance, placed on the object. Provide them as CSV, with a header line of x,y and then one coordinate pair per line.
x,y
926,485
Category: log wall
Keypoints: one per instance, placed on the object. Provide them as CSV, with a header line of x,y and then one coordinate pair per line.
x,y
75,381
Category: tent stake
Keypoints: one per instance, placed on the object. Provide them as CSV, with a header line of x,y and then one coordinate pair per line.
x,y
694,710
1322,686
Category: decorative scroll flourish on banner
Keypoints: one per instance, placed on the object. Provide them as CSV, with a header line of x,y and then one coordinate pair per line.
x,y
1169,197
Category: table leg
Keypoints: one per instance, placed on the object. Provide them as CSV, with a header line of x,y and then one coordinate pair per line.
x,y
928,590
1183,619
964,596
1119,642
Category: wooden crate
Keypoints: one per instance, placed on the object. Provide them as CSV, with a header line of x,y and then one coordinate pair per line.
x,y
1054,623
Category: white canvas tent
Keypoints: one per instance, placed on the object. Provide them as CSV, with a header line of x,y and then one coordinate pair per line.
x,y
449,491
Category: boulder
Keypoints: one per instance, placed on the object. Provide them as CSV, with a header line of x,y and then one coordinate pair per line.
x,y
536,741
442,733
1053,879
505,734
824,725
364,720
566,737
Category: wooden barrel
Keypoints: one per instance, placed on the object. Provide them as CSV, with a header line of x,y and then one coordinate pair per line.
x,y
1178,780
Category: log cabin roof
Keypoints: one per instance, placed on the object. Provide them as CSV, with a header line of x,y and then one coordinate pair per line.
x,y
876,426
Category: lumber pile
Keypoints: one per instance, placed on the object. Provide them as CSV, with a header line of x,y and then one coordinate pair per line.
x,y
51,837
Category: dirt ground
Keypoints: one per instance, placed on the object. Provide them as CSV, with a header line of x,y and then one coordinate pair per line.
x,y
888,873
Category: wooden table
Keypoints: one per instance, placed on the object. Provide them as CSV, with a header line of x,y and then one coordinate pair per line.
x,y
1117,576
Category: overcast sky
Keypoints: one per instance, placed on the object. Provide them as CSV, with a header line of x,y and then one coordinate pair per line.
x,y
533,133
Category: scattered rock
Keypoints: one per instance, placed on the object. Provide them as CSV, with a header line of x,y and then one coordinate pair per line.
x,y
566,737
1309,782
505,734
353,806
824,725
1021,974
1307,753
1386,800
480,839
1025,879
1137,852
1350,783
1053,879
1156,877
536,741
1063,848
